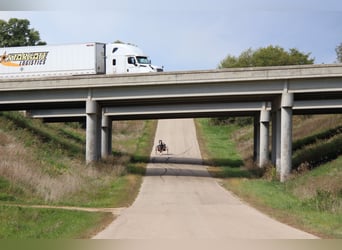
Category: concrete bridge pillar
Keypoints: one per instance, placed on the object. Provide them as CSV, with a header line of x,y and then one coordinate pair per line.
x,y
256,142
92,131
276,138
286,136
264,137
276,132
106,137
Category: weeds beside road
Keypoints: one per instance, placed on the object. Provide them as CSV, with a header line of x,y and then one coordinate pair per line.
x,y
42,223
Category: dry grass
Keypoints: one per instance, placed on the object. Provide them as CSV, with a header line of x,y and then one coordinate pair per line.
x,y
244,143
30,179
19,166
321,187
303,126
306,125
125,134
330,184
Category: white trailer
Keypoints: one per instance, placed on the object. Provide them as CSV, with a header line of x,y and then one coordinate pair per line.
x,y
73,59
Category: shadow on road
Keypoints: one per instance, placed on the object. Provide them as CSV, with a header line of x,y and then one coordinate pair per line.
x,y
169,159
184,171
219,168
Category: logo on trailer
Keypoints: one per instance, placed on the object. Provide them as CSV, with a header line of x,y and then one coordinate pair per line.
x,y
23,59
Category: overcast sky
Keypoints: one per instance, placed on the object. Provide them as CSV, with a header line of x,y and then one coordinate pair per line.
x,y
188,35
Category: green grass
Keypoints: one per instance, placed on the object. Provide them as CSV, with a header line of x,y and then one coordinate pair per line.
x,y
276,199
4,186
141,158
145,143
120,192
219,149
37,223
311,201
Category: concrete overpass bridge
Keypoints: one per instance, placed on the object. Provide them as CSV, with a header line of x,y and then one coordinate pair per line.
x,y
269,94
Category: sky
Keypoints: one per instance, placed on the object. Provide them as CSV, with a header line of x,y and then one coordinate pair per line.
x,y
188,34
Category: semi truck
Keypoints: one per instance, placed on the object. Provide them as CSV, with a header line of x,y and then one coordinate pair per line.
x,y
73,59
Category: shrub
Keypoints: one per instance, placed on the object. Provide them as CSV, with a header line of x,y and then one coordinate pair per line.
x,y
319,153
240,121
326,201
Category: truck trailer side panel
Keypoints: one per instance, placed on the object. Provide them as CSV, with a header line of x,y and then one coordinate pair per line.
x,y
47,61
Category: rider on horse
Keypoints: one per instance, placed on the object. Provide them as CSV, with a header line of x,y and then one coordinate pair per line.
x,y
161,145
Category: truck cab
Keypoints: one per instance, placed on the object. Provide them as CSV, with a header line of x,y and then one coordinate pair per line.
x,y
127,58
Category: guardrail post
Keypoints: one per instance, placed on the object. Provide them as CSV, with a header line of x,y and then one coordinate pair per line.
x,y
286,136
92,134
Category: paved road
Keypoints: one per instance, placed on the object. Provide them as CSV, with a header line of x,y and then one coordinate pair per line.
x,y
179,200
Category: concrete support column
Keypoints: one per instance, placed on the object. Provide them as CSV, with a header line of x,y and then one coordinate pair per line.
x,y
286,136
110,134
276,134
92,128
264,137
277,140
274,138
256,135
106,137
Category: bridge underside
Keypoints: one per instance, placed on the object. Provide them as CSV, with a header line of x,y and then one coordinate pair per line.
x,y
333,106
279,112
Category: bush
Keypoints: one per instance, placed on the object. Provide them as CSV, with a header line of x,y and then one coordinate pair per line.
x,y
269,172
301,143
319,153
326,201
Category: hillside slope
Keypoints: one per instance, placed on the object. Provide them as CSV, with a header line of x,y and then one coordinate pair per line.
x,y
44,163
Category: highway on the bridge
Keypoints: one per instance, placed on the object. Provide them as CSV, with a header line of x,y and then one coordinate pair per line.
x,y
179,200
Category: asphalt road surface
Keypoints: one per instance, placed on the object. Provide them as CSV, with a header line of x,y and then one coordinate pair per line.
x,y
179,200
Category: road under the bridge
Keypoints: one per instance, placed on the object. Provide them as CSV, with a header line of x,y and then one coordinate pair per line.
x,y
179,200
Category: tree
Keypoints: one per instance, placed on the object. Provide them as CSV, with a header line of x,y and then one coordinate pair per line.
x,y
339,53
16,32
268,56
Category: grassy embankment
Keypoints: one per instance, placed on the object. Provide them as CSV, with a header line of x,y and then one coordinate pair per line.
x,y
44,164
311,200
